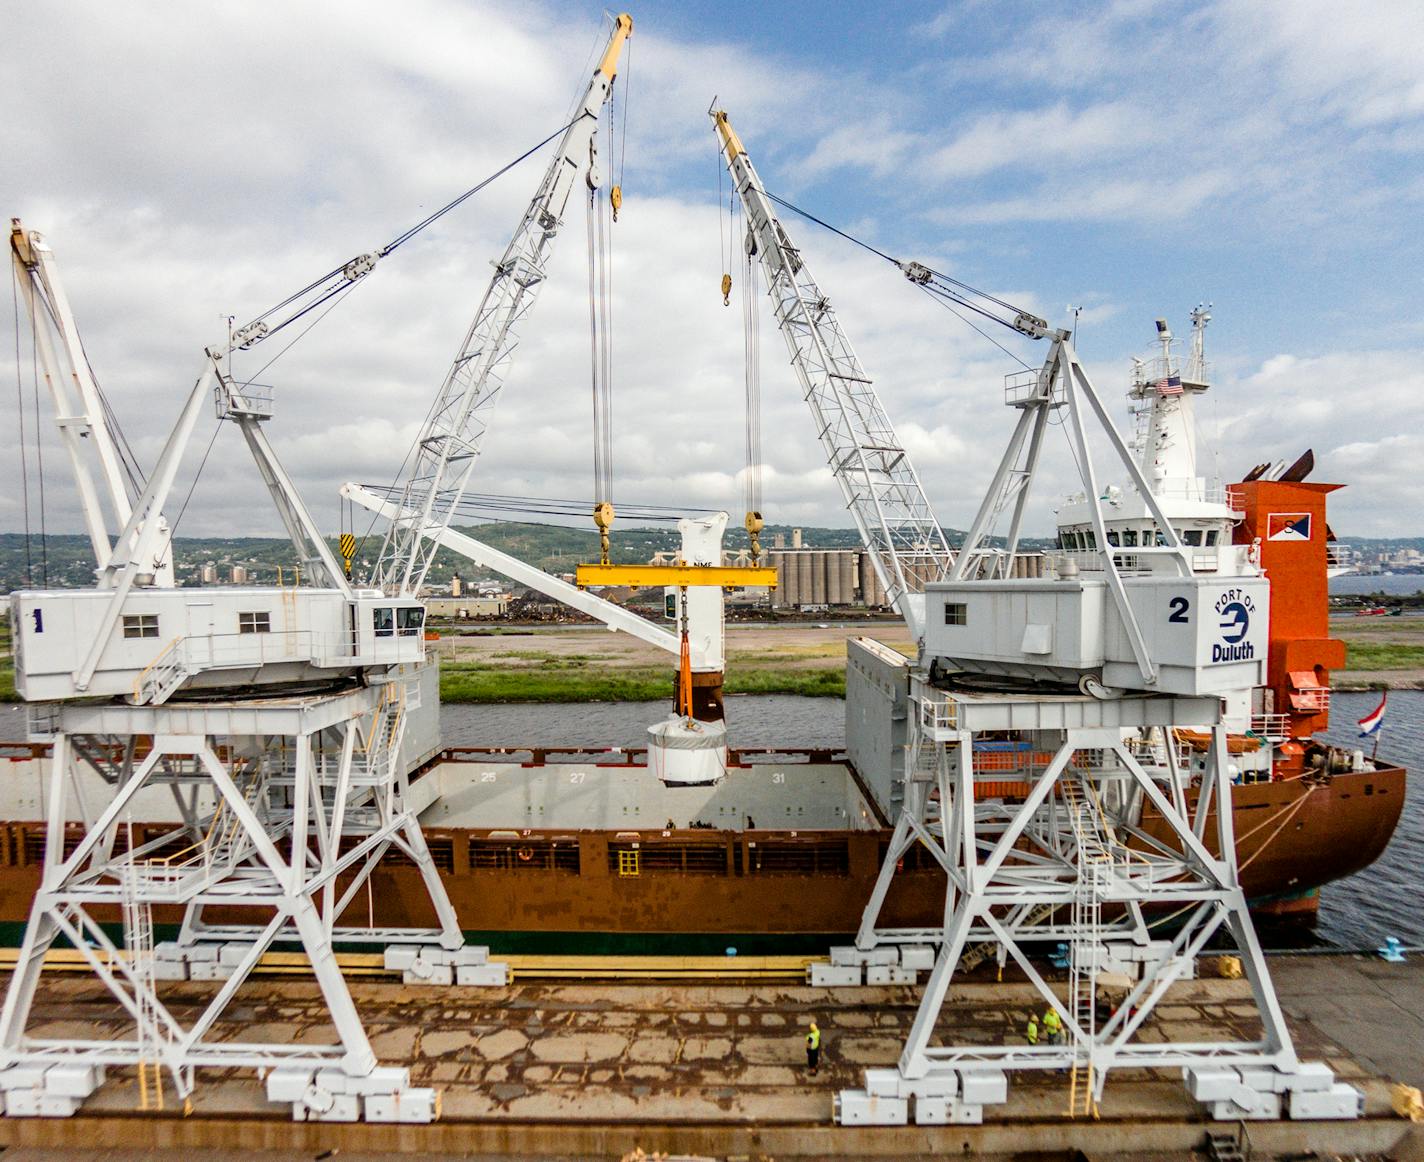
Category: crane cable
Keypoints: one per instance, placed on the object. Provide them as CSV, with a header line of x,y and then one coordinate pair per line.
x,y
751,328
601,360
945,296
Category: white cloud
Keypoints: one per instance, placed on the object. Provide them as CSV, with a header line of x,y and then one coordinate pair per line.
x,y
178,194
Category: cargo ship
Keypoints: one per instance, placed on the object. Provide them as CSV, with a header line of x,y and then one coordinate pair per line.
x,y
547,848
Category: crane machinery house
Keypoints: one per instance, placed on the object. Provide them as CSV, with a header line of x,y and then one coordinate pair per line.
x,y
76,643
1206,634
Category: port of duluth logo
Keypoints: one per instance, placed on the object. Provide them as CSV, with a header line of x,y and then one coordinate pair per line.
x,y
1233,610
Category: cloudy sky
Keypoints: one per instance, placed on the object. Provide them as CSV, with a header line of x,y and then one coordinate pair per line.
x,y
193,161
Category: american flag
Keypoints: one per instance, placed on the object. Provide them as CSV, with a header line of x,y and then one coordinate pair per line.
x,y
1172,385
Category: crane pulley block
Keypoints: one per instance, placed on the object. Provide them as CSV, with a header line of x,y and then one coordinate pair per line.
x,y
650,576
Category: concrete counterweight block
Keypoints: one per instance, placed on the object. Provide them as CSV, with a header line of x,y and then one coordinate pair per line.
x,y
889,974
53,1091
329,1095
1257,1092
824,975
423,964
855,1107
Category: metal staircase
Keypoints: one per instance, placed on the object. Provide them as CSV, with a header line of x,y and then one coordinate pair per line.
x,y
138,938
163,675
1095,865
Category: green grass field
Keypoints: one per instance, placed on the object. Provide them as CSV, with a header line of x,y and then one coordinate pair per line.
x,y
564,683
1384,656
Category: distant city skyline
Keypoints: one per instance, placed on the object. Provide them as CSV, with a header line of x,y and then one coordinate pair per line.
x,y
1129,159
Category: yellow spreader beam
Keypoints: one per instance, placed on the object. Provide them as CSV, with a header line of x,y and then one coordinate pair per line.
x,y
647,576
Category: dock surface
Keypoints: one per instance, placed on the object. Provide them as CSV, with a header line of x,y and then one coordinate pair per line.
x,y
595,1069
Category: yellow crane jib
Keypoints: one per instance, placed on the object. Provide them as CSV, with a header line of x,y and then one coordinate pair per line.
x,y
622,30
650,576
730,141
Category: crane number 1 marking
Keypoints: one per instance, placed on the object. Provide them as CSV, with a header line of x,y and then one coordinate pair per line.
x,y
39,620
1179,607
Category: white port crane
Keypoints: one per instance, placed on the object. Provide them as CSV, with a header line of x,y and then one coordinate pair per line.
x,y
1076,668
882,492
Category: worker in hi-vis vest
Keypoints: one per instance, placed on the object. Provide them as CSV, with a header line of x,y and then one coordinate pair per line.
x,y
1031,1033
1053,1026
813,1048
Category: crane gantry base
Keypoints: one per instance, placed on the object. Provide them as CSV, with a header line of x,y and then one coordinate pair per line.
x,y
286,807
1032,805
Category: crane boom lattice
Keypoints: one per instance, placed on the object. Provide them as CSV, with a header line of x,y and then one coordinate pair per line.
x,y
881,489
449,443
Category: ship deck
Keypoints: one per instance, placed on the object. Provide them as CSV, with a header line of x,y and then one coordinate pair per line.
x,y
595,1068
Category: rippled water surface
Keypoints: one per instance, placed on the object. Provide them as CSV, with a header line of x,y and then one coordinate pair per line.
x,y
1359,912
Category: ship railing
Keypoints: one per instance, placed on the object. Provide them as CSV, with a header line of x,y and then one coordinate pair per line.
x,y
1271,727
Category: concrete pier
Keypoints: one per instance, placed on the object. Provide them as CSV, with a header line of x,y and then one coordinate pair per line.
x,y
594,1069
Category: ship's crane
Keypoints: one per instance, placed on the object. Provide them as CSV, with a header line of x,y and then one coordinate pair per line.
x,y
882,492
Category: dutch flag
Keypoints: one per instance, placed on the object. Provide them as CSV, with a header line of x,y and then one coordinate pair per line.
x,y
1372,721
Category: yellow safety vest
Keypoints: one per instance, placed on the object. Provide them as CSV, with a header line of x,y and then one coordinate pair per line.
x,y
1051,1021
813,1039
1032,1032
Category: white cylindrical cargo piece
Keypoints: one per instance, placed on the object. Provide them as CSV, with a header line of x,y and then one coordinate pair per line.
x,y
685,752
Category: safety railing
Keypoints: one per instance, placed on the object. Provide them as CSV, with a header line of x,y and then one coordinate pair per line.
x,y
234,398
157,678
1022,386
938,714
1271,727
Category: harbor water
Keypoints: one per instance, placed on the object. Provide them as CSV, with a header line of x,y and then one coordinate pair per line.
x,y
1355,913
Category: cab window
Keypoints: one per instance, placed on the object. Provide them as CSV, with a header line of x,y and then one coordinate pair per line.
x,y
1191,537
410,619
1211,536
1129,538
1112,537
384,621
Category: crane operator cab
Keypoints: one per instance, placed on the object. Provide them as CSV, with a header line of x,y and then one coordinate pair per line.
x,y
388,630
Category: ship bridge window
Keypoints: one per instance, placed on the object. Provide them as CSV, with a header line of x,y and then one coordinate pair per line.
x,y
1129,538
1070,540
956,613
1112,537
258,622
410,619
383,620
140,625
1211,535
1192,537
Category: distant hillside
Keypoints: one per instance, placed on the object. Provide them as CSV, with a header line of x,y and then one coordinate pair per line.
x,y
64,561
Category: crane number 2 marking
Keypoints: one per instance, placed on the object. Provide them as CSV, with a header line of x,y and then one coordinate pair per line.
x,y
1179,607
